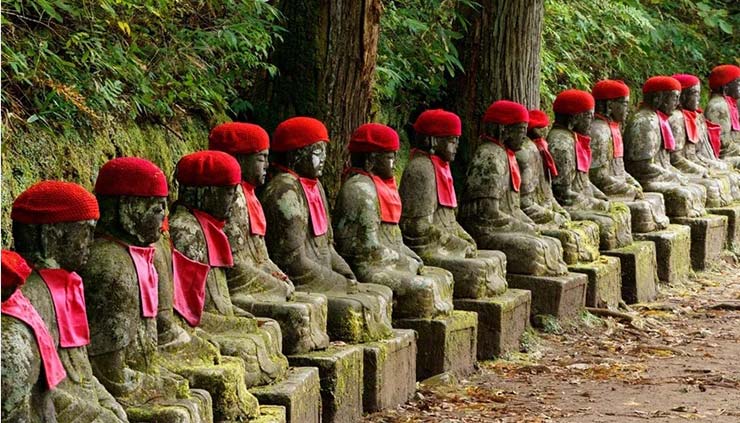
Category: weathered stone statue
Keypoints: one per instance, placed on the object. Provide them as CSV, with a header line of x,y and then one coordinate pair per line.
x,y
200,253
607,164
647,142
367,234
490,209
722,110
30,363
256,284
301,240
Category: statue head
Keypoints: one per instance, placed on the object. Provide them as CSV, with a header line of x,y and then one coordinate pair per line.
x,y
507,122
438,132
612,99
574,109
132,193
300,144
248,143
661,93
539,124
373,147
15,271
53,224
725,80
690,91
208,181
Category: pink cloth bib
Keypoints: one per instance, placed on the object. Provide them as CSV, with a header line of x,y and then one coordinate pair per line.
x,y
68,295
143,258
689,119
583,152
547,160
388,196
219,249
714,132
316,209
443,177
189,280
734,116
257,222
669,142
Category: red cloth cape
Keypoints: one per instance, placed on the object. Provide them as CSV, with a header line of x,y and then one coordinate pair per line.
x,y
669,142
189,281
68,295
257,222
583,152
219,249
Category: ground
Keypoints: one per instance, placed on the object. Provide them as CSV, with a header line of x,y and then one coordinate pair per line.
x,y
671,360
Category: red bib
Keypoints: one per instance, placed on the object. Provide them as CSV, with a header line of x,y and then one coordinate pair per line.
x,y
219,249
616,132
547,160
316,210
19,307
143,258
68,295
189,283
583,152
515,175
689,119
734,116
443,178
669,142
388,197
257,222
714,132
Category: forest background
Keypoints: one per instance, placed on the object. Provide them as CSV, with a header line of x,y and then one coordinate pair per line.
x,y
83,82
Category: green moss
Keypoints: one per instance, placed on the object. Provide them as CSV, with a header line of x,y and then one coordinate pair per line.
x,y
548,323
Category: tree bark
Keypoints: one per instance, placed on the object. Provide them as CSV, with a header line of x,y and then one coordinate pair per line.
x,y
326,65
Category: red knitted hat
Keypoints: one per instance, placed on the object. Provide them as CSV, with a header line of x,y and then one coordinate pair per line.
x,y
661,83
610,89
208,168
131,176
438,123
686,80
15,270
505,112
373,138
723,75
571,102
54,202
538,119
238,138
298,132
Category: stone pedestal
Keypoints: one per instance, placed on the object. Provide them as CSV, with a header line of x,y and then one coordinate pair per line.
x,y
445,344
639,271
389,371
299,394
708,237
196,408
732,212
271,414
560,296
340,372
673,252
501,321
604,281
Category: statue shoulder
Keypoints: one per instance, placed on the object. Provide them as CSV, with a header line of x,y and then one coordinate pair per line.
x,y
560,139
21,365
187,235
676,120
356,194
283,198
716,109
644,120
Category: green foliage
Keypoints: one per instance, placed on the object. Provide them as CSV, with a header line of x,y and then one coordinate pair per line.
x,y
68,62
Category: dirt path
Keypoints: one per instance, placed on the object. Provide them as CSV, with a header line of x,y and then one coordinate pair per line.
x,y
676,359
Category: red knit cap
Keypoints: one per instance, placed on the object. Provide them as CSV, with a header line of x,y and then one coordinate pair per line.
x,y
610,89
686,80
438,123
661,83
208,168
54,202
373,138
505,112
538,119
238,138
15,270
131,176
571,102
298,132
723,75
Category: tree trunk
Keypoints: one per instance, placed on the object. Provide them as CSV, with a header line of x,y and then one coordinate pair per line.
x,y
326,65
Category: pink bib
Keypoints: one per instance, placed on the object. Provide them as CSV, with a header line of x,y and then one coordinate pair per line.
x,y
189,283
68,295
734,116
143,258
388,197
714,132
583,152
219,249
548,161
689,119
669,142
257,222
616,133
319,221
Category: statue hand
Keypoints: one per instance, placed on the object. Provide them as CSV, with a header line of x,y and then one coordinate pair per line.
x,y
352,286
559,219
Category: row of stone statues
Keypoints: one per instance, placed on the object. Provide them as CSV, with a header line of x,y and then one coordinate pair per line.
x,y
180,317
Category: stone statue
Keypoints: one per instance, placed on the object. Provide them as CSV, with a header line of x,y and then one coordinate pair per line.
x,y
490,209
27,348
607,164
301,239
722,110
428,220
367,234
572,187
200,253
647,141
256,284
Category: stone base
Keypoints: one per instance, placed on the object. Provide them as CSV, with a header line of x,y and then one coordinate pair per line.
x,y
340,371
271,414
708,236
732,212
560,296
445,344
604,281
673,252
501,321
639,271
389,371
299,394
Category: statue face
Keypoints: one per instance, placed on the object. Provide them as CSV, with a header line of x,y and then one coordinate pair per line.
x,y
690,97
254,167
382,164
216,201
539,132
733,89
67,243
309,161
445,147
582,121
513,136
142,217
667,101
617,108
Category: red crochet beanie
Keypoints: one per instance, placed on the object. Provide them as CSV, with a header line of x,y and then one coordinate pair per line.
x,y
661,83
54,202
505,112
132,176
686,80
610,89
208,168
438,123
373,138
571,102
723,75
298,132
538,119
238,138
15,270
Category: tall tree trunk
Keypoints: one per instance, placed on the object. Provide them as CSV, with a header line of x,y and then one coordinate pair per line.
x,y
326,65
